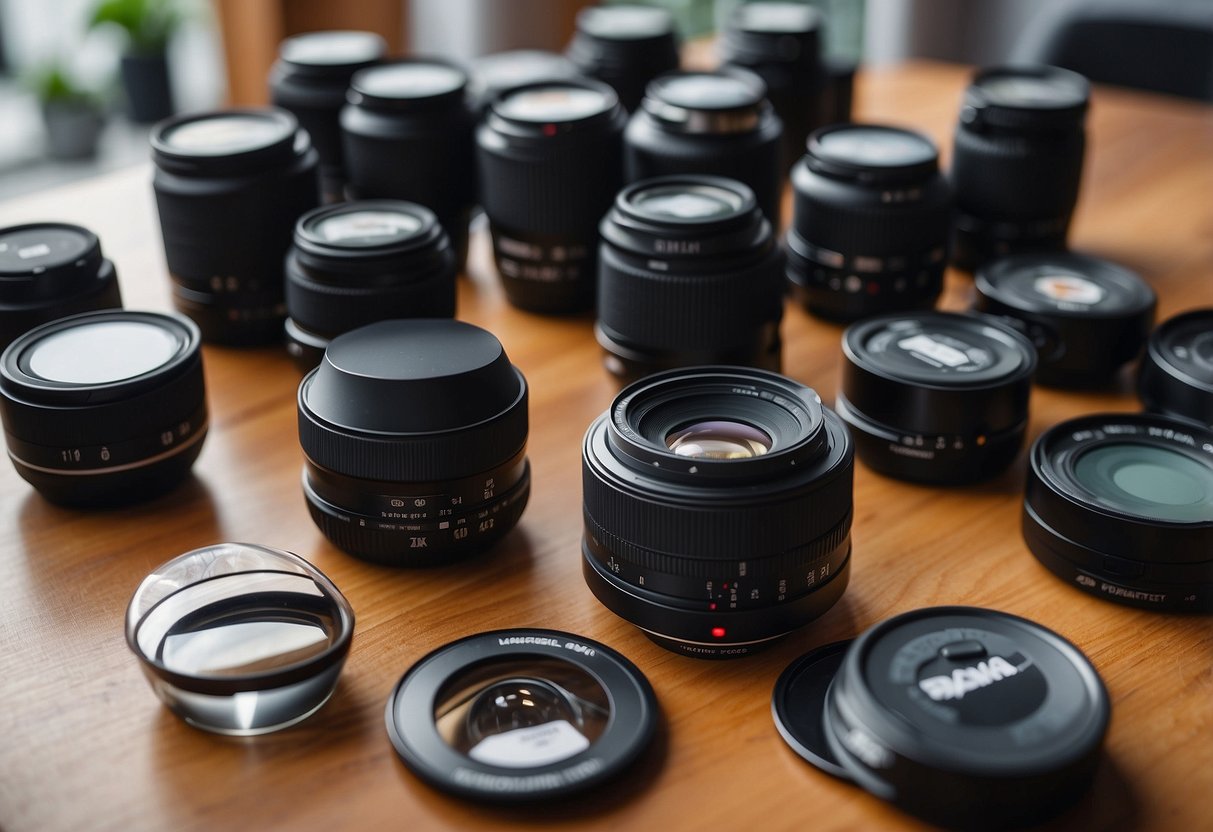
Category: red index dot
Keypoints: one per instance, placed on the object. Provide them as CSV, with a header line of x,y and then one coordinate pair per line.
x,y
549,129
712,606
718,632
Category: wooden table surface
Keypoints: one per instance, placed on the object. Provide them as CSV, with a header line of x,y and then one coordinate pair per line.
x,y
84,744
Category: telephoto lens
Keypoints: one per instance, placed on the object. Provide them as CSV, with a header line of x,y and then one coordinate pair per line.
x,y
871,215
230,185
689,273
414,437
624,46
106,407
361,262
1087,317
310,78
407,133
491,75
936,397
717,508
50,270
718,123
550,161
1121,506
1176,375
1017,162
781,42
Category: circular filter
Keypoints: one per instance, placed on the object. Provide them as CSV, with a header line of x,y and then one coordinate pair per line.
x,y
963,716
1177,370
520,715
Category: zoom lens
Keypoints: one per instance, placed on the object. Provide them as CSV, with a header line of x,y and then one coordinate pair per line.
x,y
870,222
309,80
104,407
229,186
414,434
717,508
361,262
624,46
1017,162
491,75
550,164
717,123
1121,506
936,397
407,134
688,274
1177,370
50,270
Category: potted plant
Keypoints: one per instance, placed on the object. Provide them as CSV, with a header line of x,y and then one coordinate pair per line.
x,y
148,25
72,115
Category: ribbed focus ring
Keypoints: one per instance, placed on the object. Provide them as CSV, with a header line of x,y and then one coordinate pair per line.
x,y
873,229
340,307
1015,176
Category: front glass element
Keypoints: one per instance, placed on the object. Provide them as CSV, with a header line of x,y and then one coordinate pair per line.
x,y
719,439
1148,480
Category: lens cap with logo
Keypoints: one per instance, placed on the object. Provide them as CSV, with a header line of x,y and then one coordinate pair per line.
x,y
1087,317
521,715
962,716
1177,370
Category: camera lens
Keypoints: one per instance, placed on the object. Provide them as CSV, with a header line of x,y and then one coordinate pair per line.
x,y
50,270
717,508
1177,370
1121,506
414,434
936,397
104,407
550,164
407,134
717,123
493,74
870,222
229,186
688,274
361,262
624,46
781,42
310,78
1017,161
1087,317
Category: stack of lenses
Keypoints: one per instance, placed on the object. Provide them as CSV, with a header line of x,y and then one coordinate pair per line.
x,y
50,270
491,75
870,222
689,273
1017,161
1177,370
624,46
718,123
407,134
229,187
361,262
550,164
310,78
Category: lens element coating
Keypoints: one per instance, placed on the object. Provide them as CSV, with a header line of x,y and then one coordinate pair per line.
x,y
719,440
1151,481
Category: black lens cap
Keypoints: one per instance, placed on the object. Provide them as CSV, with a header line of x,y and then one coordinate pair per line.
x,y
521,715
1177,369
962,716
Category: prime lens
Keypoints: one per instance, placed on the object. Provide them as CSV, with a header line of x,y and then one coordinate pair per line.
x,y
624,46
717,508
1177,370
870,222
50,270
1121,506
550,162
360,262
689,274
491,75
105,407
229,186
1017,161
936,397
414,437
718,123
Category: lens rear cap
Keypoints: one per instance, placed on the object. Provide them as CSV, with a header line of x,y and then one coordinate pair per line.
x,y
960,715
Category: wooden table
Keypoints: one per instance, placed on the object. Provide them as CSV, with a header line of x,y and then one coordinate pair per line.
x,y
84,744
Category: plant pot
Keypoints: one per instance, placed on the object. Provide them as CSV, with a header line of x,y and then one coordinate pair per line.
x,y
72,128
149,97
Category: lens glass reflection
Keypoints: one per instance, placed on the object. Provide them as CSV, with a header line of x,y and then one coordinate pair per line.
x,y
1148,480
719,439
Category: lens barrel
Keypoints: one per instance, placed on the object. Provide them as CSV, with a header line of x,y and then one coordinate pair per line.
x,y
105,407
491,75
229,186
717,508
1121,506
624,46
936,397
1177,370
550,162
1017,162
689,274
870,222
50,270
414,436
